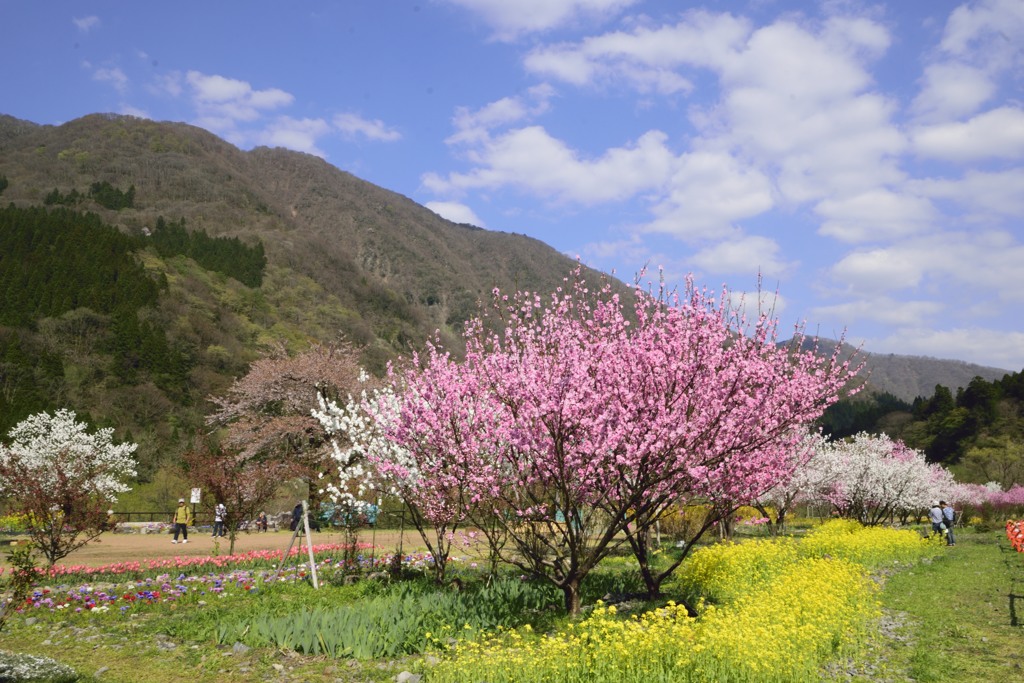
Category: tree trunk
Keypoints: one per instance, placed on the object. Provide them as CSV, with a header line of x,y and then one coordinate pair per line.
x,y
638,543
571,590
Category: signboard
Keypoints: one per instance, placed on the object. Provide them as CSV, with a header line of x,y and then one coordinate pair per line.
x,y
195,495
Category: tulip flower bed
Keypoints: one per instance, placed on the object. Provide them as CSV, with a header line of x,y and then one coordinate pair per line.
x,y
129,587
255,559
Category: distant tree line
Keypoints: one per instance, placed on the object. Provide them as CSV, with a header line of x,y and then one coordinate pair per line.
x,y
82,278
947,425
226,255
53,261
102,192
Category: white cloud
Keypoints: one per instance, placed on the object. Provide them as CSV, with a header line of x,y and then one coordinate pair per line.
x,y
950,265
748,255
751,305
510,20
456,213
707,193
992,29
989,196
114,76
798,105
86,24
795,101
531,160
169,84
129,110
353,125
221,99
296,134
474,127
703,39
995,134
877,214
883,309
951,90
879,270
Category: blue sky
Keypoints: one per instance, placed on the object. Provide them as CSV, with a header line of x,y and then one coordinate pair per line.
x,y
867,159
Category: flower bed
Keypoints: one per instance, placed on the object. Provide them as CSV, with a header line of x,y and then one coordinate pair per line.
x,y
125,585
1015,533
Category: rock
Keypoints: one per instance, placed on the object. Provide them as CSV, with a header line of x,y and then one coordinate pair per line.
x,y
408,677
31,621
278,667
102,670
240,648
351,579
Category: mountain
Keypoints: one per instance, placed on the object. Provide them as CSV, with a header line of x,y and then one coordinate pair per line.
x,y
248,249
400,269
910,377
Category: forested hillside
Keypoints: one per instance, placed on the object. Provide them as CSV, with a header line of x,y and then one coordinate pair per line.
x,y
144,266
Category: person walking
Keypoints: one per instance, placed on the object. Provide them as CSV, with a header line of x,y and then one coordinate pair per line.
x,y
220,513
182,520
948,518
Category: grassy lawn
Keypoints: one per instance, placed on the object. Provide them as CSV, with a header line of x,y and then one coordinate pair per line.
x,y
958,618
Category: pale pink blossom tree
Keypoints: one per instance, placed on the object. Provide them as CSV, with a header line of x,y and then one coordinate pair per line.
x,y
776,503
575,419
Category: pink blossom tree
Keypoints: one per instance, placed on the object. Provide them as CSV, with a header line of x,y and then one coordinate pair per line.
x,y
575,420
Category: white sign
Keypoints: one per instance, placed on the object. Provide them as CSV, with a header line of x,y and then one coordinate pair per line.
x,y
195,495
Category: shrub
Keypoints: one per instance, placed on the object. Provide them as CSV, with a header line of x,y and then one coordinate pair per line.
x,y
16,668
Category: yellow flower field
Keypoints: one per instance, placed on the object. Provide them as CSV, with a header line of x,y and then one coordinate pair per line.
x,y
776,611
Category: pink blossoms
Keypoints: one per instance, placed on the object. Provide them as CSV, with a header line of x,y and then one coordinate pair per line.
x,y
575,419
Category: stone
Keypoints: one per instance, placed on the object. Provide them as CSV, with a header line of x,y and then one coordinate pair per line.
x,y
408,677
102,670
240,648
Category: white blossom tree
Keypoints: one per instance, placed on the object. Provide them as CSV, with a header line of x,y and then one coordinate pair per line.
x,y
776,503
873,478
63,479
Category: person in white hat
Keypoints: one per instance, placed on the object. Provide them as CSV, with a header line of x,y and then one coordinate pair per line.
x,y
935,517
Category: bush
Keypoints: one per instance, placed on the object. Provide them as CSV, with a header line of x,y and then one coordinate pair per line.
x,y
16,668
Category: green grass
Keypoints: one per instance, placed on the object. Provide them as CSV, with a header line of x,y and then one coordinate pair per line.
x,y
958,618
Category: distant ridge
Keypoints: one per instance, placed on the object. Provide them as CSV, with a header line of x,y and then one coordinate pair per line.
x,y
908,377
